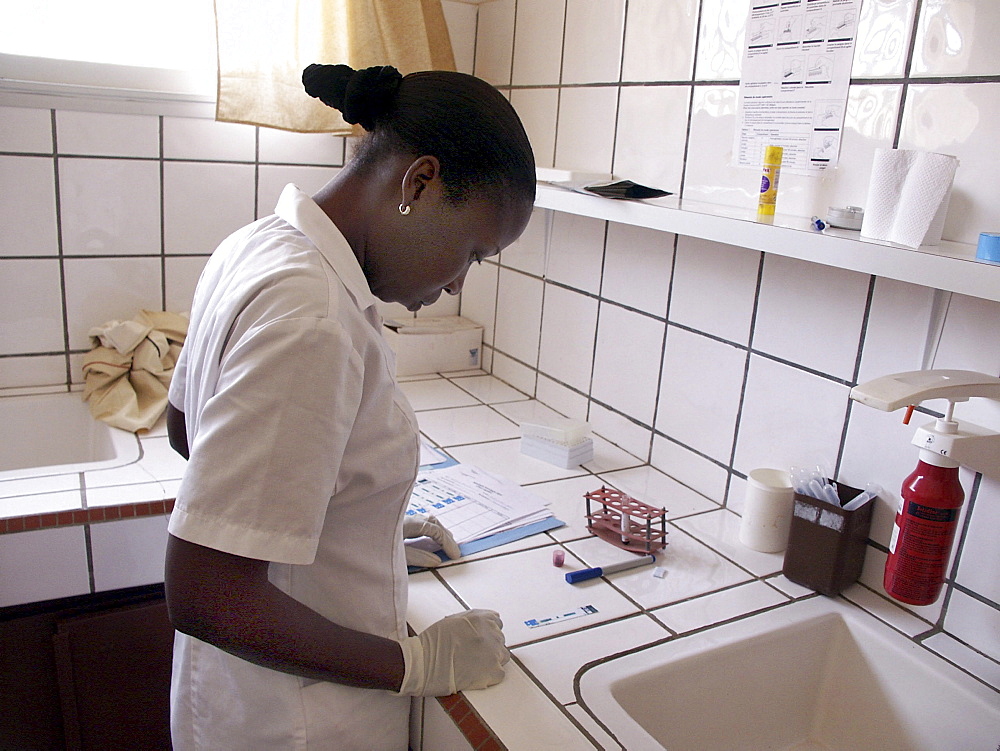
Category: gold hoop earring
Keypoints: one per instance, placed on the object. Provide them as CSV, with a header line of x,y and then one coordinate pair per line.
x,y
404,210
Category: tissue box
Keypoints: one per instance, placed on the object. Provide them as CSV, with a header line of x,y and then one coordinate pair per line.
x,y
434,345
826,544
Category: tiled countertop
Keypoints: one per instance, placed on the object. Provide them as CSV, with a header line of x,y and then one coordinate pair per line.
x,y
710,577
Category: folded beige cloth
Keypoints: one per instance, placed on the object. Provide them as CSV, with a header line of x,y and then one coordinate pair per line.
x,y
127,374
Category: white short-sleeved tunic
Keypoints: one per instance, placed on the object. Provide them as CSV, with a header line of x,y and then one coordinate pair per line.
x,y
303,453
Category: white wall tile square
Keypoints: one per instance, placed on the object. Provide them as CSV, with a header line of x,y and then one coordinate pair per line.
x,y
485,581
638,263
462,425
16,372
695,471
712,176
201,138
718,607
974,622
107,289
811,314
557,668
272,179
561,399
204,203
106,134
621,431
537,60
495,41
628,343
961,120
700,392
789,417
965,341
576,253
896,330
110,206
720,39
128,553
981,554
537,109
283,147
479,298
957,38
519,315
714,287
869,124
180,279
518,375
28,206
569,326
529,252
652,55
436,393
43,565
883,38
26,130
30,306
652,125
586,128
461,19
592,41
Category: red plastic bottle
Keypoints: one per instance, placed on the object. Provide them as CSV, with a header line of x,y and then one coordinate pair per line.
x,y
925,527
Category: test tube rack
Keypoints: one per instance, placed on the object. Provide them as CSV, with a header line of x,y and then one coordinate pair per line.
x,y
625,522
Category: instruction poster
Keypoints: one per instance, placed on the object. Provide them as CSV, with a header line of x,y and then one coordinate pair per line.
x,y
795,79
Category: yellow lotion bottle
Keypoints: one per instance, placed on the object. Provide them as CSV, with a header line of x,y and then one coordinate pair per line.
x,y
769,180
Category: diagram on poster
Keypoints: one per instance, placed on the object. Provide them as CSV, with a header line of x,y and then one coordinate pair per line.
x,y
794,84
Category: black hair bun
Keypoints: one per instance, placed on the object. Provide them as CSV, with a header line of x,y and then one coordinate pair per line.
x,y
361,96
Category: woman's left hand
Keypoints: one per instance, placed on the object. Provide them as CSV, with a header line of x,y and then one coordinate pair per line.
x,y
418,526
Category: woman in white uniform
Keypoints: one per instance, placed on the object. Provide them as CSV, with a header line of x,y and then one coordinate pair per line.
x,y
285,571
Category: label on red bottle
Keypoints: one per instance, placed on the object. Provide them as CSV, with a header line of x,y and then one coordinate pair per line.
x,y
931,514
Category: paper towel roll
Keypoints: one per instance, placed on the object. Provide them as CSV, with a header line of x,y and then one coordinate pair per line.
x,y
908,196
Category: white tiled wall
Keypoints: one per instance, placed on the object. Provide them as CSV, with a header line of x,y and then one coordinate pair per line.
x,y
704,359
709,360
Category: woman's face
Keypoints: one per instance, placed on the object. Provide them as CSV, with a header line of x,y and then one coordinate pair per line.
x,y
414,258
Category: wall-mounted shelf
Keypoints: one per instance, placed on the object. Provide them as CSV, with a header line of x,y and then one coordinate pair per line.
x,y
949,266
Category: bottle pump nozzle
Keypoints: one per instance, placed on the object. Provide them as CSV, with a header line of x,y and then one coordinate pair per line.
x,y
945,442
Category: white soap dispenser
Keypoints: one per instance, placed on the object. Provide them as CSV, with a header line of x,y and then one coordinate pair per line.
x,y
931,496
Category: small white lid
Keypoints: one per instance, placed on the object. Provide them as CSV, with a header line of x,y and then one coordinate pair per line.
x,y
559,430
847,217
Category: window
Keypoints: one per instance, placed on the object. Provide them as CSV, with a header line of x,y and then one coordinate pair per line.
x,y
134,49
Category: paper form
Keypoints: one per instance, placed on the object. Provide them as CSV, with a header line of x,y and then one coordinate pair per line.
x,y
472,503
794,83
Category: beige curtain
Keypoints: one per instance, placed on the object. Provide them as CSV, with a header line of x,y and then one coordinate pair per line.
x,y
265,44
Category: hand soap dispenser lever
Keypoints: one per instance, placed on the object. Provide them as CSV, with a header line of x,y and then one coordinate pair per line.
x,y
967,444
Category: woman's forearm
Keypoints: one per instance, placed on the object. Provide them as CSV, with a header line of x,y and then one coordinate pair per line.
x,y
227,601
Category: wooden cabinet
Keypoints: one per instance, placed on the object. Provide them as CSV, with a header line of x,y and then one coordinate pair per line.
x,y
88,672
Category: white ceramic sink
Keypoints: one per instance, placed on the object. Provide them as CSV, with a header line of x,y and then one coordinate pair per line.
x,y
814,674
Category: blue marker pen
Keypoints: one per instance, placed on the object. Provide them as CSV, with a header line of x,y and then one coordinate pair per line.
x,y
592,573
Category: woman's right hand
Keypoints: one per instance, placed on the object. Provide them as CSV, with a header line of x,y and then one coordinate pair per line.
x,y
460,652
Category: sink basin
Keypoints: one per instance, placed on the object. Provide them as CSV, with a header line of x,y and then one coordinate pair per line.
x,y
814,674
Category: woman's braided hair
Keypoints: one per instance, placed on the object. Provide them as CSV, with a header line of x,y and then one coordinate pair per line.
x,y
463,121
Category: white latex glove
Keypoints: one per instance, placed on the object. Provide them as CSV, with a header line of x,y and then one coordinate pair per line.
x,y
460,652
427,526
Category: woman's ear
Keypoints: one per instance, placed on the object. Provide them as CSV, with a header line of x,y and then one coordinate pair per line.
x,y
422,172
